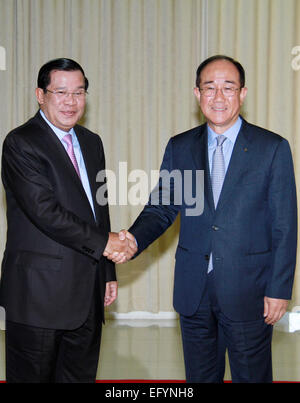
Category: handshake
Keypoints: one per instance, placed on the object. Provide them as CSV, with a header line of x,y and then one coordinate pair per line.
x,y
120,246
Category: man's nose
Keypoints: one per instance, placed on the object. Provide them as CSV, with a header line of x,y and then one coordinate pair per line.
x,y
219,93
70,98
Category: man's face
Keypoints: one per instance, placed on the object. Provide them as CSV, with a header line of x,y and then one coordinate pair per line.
x,y
221,111
63,111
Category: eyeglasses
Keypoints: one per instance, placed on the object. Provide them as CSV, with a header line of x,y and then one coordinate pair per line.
x,y
226,91
62,94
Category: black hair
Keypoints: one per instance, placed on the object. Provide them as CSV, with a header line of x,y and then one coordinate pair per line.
x,y
61,64
221,57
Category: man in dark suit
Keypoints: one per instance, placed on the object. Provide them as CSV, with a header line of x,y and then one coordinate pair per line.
x,y
234,262
55,280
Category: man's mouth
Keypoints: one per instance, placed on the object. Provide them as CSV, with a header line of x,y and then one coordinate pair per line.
x,y
68,113
219,109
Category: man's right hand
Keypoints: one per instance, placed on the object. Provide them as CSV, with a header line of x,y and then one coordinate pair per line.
x,y
120,247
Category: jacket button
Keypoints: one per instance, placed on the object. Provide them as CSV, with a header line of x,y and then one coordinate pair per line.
x,y
206,257
215,228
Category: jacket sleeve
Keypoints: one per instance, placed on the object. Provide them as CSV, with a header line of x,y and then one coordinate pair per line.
x,y
283,207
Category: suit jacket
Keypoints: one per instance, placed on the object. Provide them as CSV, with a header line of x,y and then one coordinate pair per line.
x,y
53,259
252,234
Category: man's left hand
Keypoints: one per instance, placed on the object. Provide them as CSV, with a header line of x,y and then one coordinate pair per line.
x,y
274,309
111,292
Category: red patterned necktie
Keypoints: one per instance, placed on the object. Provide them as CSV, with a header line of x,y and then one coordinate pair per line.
x,y
70,150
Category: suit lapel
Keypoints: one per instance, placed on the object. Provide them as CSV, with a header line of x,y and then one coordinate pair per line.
x,y
237,165
91,164
56,149
199,152
61,158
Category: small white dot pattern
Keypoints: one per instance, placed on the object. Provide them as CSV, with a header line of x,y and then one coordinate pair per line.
x,y
218,169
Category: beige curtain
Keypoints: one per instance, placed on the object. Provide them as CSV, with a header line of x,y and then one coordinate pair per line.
x,y
140,57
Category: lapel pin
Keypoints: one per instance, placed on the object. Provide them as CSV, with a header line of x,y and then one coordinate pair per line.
x,y
245,149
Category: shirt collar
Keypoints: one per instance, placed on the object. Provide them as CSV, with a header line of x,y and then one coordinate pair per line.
x,y
230,133
60,133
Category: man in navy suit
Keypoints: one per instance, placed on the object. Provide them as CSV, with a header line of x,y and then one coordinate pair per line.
x,y
235,262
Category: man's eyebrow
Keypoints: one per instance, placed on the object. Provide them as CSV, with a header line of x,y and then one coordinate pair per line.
x,y
226,81
230,82
208,82
65,88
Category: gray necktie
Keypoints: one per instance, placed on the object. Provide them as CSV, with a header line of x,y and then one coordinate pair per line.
x,y
218,169
217,178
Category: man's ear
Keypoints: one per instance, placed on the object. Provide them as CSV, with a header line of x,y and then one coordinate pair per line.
x,y
40,95
197,93
243,95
